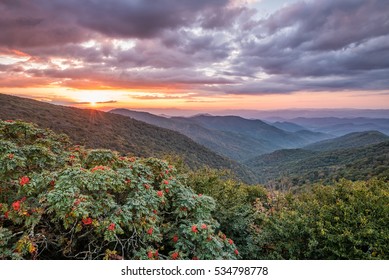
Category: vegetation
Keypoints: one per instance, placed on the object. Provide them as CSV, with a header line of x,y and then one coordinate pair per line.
x,y
62,201
347,220
97,129
351,140
234,137
344,221
289,168
234,206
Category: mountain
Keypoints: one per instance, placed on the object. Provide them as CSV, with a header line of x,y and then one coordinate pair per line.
x,y
96,129
351,140
288,126
342,126
230,136
229,144
300,166
259,130
289,114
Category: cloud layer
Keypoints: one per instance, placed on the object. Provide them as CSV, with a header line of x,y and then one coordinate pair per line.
x,y
204,46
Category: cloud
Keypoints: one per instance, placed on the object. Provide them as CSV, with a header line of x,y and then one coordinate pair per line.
x,y
317,45
56,22
211,47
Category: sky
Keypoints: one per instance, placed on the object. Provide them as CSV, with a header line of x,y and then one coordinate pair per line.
x,y
203,55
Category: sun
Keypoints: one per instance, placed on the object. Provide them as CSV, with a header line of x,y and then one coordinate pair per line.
x,y
93,98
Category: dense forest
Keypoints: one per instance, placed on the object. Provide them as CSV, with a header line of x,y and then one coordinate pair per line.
x,y
301,166
63,201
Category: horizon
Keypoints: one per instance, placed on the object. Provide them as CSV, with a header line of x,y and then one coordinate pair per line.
x,y
211,56
275,114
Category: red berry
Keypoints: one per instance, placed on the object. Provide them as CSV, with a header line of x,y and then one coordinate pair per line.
x,y
175,238
175,255
87,221
160,193
203,226
16,205
150,231
111,227
24,180
194,229
150,254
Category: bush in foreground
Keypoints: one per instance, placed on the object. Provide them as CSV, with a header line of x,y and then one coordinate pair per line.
x,y
348,220
61,201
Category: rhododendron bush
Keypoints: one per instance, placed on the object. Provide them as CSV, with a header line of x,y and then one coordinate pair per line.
x,y
60,201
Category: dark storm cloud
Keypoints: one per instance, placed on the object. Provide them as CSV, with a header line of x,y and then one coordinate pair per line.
x,y
200,46
318,45
54,22
329,25
141,19
37,23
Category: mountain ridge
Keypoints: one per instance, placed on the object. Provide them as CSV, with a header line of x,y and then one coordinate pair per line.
x,y
301,166
231,136
97,129
351,140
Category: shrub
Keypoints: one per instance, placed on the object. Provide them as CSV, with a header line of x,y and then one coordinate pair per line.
x,y
62,201
234,206
345,221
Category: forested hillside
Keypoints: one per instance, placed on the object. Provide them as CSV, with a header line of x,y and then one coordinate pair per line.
x,y
299,167
96,129
351,140
231,136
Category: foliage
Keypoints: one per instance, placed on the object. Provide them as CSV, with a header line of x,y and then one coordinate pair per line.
x,y
97,129
345,221
303,167
61,201
234,206
350,140
58,201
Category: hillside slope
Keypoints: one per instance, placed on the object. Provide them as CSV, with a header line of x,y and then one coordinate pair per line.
x,y
342,126
232,145
231,136
301,166
351,140
96,129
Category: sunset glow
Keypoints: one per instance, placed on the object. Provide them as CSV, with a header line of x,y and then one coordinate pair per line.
x,y
213,55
